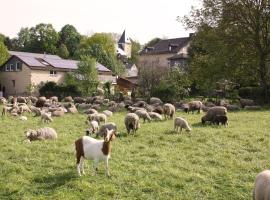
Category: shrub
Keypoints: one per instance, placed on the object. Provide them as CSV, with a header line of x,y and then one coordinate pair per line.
x,y
251,92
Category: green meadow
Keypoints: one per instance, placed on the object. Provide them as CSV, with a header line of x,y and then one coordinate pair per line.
x,y
210,162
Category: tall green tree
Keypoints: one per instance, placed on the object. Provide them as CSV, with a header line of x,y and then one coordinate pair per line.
x,y
63,51
3,53
86,76
39,39
239,32
101,46
70,37
135,48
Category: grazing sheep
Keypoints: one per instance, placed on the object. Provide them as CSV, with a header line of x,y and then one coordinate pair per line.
x,y
132,122
205,108
261,189
54,99
24,108
93,127
33,99
158,109
194,105
156,101
21,100
232,107
79,100
223,119
144,115
40,102
90,148
23,118
169,110
246,102
91,111
46,117
252,107
104,127
212,112
181,123
100,117
58,113
108,113
140,103
68,99
41,134
72,109
3,100
83,106
155,116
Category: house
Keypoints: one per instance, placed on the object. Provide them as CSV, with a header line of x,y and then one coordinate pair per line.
x,y
24,70
166,53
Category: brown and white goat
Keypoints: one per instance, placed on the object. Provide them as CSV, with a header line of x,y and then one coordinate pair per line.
x,y
92,149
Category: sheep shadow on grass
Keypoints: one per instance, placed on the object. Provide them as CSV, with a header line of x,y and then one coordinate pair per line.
x,y
52,182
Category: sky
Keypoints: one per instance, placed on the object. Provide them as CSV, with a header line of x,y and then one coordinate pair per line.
x,y
143,20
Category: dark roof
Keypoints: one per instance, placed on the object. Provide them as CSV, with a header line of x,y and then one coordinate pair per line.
x,y
178,56
124,39
44,61
167,46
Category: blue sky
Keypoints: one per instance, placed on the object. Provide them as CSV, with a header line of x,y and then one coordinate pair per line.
x,y
142,19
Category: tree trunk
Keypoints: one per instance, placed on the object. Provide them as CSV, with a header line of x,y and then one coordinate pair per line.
x,y
263,77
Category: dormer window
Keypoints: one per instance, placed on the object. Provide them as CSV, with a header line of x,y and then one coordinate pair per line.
x,y
53,72
11,68
18,66
7,68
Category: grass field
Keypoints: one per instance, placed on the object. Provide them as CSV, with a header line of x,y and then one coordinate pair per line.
x,y
210,163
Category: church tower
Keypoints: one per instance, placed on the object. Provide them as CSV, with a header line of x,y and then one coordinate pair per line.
x,y
124,43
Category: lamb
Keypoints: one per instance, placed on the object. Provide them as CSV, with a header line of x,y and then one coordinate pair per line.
x,y
155,116
108,113
194,105
223,119
58,113
35,110
41,134
46,117
144,115
93,127
212,112
262,186
169,110
23,118
89,148
24,108
54,99
132,122
72,109
108,126
181,123
100,117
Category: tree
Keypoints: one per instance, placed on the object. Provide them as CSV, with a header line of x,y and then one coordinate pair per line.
x,y
70,37
135,48
86,76
101,47
152,42
240,33
4,55
63,51
39,39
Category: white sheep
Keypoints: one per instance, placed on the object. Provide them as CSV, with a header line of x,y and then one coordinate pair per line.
x,y
93,127
104,127
181,123
46,117
132,122
155,116
41,134
262,186
99,117
144,115
92,149
108,113
23,118
169,110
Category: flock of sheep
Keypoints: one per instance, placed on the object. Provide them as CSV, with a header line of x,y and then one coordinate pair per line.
x,y
88,147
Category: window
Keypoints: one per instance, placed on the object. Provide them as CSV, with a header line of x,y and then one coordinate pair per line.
x,y
18,66
13,83
7,68
53,72
11,68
